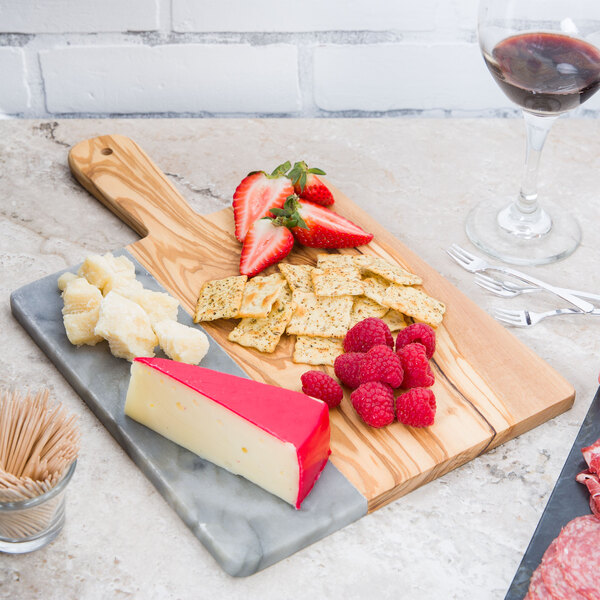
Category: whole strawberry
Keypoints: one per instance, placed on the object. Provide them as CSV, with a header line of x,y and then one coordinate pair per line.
x,y
417,372
346,367
374,403
309,186
417,332
256,194
416,407
382,364
366,334
320,385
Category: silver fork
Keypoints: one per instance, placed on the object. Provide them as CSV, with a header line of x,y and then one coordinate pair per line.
x,y
474,264
528,318
508,289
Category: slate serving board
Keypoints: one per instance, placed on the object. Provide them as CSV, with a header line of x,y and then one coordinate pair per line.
x,y
244,527
568,500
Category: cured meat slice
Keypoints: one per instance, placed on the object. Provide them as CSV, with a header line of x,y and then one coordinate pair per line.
x,y
554,577
592,456
592,482
578,553
537,589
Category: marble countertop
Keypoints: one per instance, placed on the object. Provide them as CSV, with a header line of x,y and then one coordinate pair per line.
x,y
461,536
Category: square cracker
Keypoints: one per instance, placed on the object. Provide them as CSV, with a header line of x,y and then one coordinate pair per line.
x,y
264,334
317,350
297,276
327,261
337,281
320,317
414,303
259,295
375,287
220,298
364,307
387,270
394,320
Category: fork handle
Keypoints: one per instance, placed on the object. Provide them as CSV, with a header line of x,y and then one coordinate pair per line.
x,y
587,295
564,294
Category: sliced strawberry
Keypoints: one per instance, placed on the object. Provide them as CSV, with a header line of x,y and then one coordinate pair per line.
x,y
320,227
266,243
309,186
256,194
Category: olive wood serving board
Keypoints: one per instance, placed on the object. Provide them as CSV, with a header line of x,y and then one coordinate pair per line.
x,y
489,386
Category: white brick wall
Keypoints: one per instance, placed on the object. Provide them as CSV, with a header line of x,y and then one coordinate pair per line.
x,y
183,78
14,92
308,15
245,58
89,16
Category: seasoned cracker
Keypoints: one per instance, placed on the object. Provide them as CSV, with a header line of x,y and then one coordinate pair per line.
x,y
387,270
220,298
414,303
375,287
337,281
320,317
394,320
264,334
259,295
317,350
327,261
297,276
364,307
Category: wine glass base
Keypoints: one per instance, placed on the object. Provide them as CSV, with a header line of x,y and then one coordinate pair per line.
x,y
484,231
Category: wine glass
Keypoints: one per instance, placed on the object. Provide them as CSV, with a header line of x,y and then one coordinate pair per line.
x,y
544,56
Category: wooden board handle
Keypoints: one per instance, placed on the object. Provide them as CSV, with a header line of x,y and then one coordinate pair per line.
x,y
115,170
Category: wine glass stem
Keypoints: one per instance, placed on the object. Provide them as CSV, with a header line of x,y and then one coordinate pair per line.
x,y
537,129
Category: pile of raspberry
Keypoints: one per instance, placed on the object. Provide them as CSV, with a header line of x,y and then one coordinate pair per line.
x,y
373,368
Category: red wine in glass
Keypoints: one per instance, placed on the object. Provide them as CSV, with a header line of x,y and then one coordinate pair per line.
x,y
545,73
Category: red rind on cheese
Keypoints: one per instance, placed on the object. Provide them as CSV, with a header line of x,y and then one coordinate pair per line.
x,y
289,416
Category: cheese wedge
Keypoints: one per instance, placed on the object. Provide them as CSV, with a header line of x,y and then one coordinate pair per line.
x,y
276,438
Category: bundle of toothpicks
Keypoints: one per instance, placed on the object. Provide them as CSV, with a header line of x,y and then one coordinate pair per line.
x,y
38,443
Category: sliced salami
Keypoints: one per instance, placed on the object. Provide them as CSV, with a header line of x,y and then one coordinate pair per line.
x,y
537,589
592,482
578,554
592,456
554,577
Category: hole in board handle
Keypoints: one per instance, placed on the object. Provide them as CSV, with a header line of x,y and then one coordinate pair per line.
x,y
106,151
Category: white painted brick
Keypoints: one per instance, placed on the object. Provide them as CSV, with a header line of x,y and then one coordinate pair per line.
x,y
14,92
308,15
82,16
172,78
382,77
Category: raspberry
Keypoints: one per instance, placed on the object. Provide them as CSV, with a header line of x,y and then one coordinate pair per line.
x,y
366,334
346,368
374,403
381,363
417,332
320,385
416,407
417,372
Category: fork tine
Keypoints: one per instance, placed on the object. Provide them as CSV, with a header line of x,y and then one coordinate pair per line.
x,y
464,253
455,257
509,321
508,313
487,282
509,317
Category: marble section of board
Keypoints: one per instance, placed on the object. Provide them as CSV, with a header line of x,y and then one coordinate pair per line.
x,y
244,527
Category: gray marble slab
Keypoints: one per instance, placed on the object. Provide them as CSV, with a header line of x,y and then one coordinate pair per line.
x,y
244,527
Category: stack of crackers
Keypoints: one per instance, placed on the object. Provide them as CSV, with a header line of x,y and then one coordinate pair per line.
x,y
317,304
